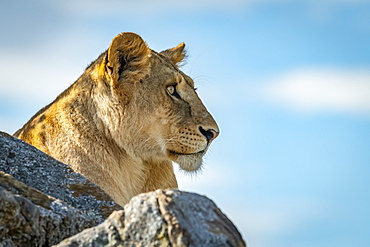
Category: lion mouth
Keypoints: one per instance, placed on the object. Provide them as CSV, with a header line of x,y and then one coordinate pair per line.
x,y
177,153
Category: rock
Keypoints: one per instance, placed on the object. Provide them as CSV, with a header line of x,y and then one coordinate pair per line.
x,y
42,172
35,219
162,218
42,201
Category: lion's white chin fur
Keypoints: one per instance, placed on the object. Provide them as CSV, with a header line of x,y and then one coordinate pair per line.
x,y
189,163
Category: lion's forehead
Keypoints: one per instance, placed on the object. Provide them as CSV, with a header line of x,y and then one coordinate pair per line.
x,y
166,67
187,79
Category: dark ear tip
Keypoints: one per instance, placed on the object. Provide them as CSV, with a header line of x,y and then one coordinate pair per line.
x,y
180,47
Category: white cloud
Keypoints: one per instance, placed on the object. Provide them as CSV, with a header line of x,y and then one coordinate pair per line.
x,y
322,89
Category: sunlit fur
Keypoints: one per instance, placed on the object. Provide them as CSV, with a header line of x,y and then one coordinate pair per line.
x,y
120,127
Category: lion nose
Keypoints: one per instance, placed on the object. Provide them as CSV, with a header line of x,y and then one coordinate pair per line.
x,y
210,134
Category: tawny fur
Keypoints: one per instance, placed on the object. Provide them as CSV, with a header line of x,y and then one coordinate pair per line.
x,y
121,126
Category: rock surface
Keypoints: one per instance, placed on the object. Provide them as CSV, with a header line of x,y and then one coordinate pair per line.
x,y
35,219
162,218
42,172
42,201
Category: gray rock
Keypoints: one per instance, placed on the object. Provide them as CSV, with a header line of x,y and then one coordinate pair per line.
x,y
162,218
42,201
42,172
35,219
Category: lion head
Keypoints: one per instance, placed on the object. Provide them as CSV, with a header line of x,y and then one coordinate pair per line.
x,y
149,106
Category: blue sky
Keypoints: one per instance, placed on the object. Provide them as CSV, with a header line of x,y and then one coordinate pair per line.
x,y
287,81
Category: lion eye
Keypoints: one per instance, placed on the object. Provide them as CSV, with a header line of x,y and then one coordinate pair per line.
x,y
172,91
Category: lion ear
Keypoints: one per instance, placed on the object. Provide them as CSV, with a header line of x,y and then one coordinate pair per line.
x,y
128,57
176,54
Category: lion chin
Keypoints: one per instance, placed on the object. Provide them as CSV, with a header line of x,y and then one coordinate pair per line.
x,y
188,162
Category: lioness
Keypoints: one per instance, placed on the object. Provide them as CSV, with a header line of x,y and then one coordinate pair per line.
x,y
123,122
